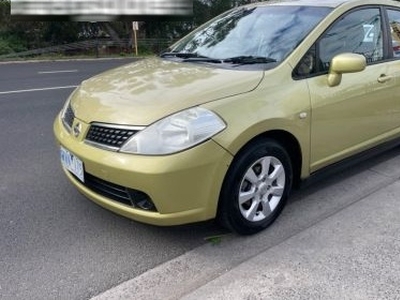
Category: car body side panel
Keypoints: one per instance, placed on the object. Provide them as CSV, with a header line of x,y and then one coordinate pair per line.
x,y
391,105
277,104
393,86
351,117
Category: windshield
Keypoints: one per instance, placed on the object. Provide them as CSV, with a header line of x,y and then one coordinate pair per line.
x,y
270,32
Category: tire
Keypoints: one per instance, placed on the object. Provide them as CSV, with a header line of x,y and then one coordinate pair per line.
x,y
256,187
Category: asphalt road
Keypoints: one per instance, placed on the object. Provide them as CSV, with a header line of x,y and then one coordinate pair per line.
x,y
56,244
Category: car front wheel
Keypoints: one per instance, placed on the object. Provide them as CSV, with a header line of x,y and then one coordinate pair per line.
x,y
256,187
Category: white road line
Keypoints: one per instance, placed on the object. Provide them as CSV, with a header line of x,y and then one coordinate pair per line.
x,y
41,89
59,71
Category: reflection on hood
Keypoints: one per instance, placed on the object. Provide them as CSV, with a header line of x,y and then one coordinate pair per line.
x,y
145,91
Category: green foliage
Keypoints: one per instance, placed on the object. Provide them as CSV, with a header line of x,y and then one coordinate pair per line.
x,y
4,47
4,14
215,239
203,10
11,44
18,36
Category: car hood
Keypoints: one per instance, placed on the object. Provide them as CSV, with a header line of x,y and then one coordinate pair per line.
x,y
145,91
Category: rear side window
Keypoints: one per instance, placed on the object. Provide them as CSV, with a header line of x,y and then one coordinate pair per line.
x,y
394,21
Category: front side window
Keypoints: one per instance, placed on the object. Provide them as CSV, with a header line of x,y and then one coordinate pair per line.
x,y
394,21
357,32
271,32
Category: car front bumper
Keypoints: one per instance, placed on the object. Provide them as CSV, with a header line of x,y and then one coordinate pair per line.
x,y
184,187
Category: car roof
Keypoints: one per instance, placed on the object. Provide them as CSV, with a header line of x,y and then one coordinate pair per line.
x,y
324,3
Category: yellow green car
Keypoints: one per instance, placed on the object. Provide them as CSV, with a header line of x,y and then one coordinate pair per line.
x,y
230,118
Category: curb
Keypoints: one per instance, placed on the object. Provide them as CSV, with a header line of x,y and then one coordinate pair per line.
x,y
207,264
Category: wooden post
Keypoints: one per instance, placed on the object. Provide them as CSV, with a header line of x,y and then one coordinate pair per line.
x,y
135,27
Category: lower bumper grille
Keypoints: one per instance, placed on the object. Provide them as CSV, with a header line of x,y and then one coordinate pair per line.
x,y
121,194
108,189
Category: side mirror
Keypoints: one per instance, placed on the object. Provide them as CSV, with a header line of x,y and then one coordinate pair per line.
x,y
345,63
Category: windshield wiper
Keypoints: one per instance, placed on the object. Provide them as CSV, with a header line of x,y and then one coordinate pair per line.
x,y
183,55
177,54
242,60
203,59
246,60
190,57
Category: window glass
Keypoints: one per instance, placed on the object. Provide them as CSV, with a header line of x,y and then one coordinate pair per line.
x,y
394,21
357,32
306,66
266,31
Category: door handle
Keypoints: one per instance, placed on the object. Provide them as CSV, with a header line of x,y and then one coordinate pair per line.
x,y
384,78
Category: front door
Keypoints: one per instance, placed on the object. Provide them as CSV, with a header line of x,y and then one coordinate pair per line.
x,y
357,113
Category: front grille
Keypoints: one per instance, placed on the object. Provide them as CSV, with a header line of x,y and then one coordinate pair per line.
x,y
108,135
68,117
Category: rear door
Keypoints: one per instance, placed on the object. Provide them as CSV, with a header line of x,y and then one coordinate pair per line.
x,y
393,65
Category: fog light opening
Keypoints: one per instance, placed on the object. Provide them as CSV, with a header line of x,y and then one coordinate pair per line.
x,y
142,200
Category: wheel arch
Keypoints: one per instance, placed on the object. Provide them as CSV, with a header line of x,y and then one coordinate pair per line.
x,y
289,142
292,146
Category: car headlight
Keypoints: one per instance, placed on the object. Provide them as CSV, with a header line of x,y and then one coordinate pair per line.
x,y
175,133
67,114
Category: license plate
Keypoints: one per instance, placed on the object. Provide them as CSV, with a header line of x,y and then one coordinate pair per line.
x,y
72,163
